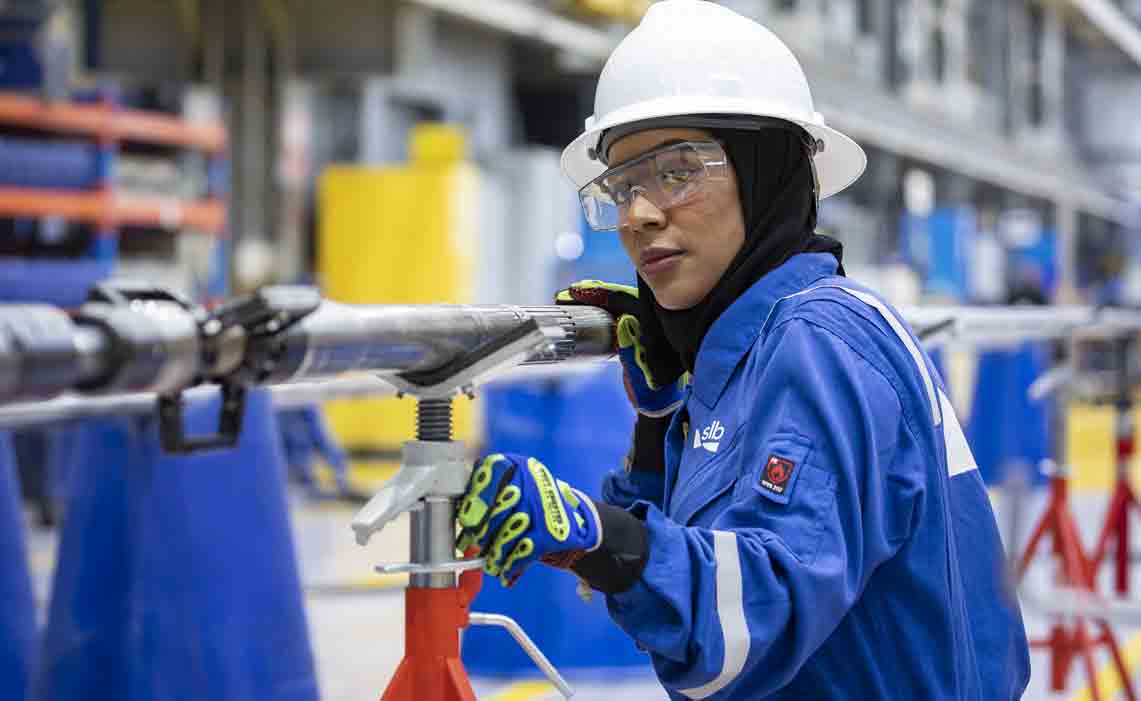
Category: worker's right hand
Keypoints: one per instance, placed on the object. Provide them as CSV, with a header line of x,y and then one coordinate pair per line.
x,y
514,513
621,301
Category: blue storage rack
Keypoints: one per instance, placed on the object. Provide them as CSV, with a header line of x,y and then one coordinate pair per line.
x,y
70,165
69,173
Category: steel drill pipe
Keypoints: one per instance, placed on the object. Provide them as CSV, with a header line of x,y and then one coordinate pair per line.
x,y
44,353
392,339
1005,326
148,346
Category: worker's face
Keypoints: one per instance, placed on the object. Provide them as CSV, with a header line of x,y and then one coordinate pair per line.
x,y
680,252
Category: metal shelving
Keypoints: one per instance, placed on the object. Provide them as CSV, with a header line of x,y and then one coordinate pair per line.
x,y
105,207
107,121
113,210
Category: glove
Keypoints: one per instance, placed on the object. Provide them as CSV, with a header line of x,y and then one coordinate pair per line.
x,y
621,301
515,512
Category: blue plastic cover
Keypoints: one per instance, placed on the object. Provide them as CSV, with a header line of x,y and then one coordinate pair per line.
x,y
1007,429
177,577
64,283
69,164
17,605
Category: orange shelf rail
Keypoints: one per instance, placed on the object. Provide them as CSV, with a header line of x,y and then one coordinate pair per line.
x,y
109,122
110,209
205,215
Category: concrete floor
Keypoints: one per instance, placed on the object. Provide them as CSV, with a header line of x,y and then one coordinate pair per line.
x,y
356,616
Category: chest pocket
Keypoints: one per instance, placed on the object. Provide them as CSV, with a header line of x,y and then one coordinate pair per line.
x,y
787,495
704,479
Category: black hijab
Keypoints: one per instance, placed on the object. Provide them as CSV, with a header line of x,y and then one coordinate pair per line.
x,y
777,188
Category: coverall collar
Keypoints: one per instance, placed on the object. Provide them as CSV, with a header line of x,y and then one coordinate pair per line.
x,y
733,333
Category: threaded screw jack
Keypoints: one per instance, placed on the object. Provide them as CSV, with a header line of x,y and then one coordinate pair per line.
x,y
434,420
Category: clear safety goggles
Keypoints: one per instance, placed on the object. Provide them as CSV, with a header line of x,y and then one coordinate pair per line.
x,y
666,177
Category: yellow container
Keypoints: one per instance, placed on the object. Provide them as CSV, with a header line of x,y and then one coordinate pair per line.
x,y
401,234
1091,447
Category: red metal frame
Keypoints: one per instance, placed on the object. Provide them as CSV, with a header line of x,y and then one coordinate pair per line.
x,y
1075,571
1124,501
433,620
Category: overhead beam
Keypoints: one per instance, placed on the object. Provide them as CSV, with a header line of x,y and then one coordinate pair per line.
x,y
1114,24
527,21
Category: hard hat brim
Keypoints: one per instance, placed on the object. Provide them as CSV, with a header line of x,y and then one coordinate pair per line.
x,y
837,166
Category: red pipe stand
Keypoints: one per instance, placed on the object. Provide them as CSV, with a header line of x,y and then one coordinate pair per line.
x,y
433,620
1067,642
1124,501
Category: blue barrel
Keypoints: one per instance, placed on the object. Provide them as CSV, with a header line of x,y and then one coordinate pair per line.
x,y
56,164
17,604
580,428
1006,428
65,283
177,577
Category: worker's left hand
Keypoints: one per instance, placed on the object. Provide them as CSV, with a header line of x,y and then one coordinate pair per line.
x,y
516,512
638,362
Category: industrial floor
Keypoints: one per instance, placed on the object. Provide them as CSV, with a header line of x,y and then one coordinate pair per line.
x,y
356,617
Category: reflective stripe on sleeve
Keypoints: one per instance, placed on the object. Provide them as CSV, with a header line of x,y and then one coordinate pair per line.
x,y
730,614
959,457
908,343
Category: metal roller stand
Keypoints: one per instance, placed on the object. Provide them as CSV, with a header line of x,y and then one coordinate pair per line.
x,y
1124,500
1070,638
431,524
434,472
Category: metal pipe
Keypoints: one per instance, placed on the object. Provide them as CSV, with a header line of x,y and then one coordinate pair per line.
x,y
252,191
998,326
387,339
529,647
43,352
74,407
92,347
433,540
1064,601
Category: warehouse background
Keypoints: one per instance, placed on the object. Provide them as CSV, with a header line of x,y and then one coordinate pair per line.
x,y
1017,115
406,151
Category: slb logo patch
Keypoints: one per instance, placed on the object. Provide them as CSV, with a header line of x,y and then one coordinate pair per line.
x,y
777,473
710,437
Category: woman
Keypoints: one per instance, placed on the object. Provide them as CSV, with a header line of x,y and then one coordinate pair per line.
x,y
803,519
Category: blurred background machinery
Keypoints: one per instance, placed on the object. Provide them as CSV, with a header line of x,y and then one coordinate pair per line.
x,y
997,130
405,151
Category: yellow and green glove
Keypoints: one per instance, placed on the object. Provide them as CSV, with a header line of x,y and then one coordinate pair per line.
x,y
515,512
621,301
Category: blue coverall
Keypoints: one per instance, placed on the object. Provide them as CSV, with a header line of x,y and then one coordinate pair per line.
x,y
821,530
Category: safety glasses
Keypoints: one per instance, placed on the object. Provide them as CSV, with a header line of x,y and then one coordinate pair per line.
x,y
667,177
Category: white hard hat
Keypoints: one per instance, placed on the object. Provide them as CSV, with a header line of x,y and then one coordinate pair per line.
x,y
691,57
